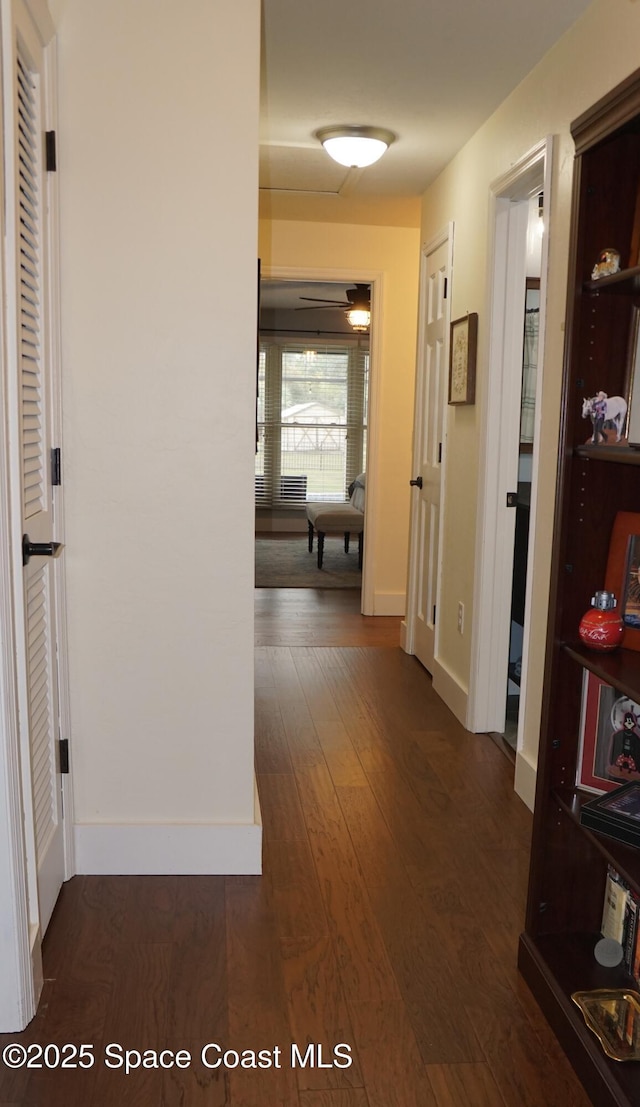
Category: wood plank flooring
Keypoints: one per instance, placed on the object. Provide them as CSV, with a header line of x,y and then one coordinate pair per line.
x,y
321,617
387,919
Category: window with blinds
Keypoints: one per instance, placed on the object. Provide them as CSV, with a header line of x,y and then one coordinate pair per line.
x,y
312,420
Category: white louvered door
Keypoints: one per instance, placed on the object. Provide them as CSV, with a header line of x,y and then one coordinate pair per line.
x,y
33,357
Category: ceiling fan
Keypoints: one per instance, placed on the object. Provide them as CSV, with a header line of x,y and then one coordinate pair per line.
x,y
358,299
357,308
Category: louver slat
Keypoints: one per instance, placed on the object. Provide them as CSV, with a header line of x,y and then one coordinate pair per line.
x,y
33,461
40,720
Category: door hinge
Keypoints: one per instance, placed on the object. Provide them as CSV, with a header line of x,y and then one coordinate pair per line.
x,y
434,615
446,286
56,466
439,453
512,499
63,751
50,151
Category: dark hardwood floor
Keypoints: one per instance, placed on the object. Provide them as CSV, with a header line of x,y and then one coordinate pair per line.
x,y
387,917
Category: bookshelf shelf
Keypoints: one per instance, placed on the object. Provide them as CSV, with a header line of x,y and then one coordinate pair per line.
x,y
620,455
624,277
570,863
555,966
621,668
625,859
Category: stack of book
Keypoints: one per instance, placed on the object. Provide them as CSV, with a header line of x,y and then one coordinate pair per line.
x,y
621,920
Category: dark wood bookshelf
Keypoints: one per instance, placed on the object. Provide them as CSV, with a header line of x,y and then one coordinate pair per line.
x,y
569,862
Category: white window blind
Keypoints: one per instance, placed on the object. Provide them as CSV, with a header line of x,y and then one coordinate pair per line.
x,y
311,421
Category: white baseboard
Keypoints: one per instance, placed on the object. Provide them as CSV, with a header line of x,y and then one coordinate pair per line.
x,y
389,603
106,849
525,781
404,636
451,691
171,849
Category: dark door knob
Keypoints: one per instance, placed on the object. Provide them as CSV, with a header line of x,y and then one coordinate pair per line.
x,y
39,549
417,482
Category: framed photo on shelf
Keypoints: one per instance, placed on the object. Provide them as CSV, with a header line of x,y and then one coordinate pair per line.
x,y
609,750
462,359
622,575
633,379
616,814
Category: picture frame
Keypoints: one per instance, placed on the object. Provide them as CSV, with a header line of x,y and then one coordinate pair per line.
x,y
622,575
632,383
463,346
616,813
609,748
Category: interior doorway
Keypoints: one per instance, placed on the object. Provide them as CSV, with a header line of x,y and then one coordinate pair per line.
x,y
312,429
519,228
525,473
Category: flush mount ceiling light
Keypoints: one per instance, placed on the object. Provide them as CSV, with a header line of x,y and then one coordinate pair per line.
x,y
355,147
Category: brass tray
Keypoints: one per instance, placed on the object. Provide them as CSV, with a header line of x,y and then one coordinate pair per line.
x,y
613,1014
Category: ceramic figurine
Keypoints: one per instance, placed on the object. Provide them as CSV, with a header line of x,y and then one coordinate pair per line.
x,y
607,263
603,409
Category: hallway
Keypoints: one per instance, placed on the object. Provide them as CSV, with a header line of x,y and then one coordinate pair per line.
x,y
387,918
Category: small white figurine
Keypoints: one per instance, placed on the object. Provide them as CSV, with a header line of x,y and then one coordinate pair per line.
x,y
607,263
603,409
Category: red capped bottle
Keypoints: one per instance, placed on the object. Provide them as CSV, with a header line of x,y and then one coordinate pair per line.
x,y
601,628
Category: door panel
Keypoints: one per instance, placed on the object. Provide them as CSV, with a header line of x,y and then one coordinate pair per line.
x,y
432,384
27,186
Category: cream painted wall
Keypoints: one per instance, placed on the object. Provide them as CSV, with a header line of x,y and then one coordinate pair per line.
x,y
599,51
394,252
159,246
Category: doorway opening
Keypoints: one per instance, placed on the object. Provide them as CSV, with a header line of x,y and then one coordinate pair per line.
x,y
523,501
519,250
311,433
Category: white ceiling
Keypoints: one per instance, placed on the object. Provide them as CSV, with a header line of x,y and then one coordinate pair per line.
x,y
430,70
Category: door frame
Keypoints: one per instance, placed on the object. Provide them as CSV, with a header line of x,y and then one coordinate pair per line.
x,y
20,944
376,280
492,602
407,628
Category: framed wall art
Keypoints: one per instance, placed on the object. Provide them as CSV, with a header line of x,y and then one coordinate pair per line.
x,y
462,359
609,751
622,575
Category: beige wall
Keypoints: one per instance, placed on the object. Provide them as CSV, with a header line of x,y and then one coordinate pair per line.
x,y
598,52
159,245
392,252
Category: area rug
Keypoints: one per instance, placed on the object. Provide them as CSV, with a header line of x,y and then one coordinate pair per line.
x,y
287,563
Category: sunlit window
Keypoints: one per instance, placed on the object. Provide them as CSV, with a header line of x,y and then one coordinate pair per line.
x,y
311,421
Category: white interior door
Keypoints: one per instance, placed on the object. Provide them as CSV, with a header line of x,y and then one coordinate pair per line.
x,y
31,351
431,398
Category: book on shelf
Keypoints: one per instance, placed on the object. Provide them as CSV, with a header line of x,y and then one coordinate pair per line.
x,y
630,933
614,907
621,920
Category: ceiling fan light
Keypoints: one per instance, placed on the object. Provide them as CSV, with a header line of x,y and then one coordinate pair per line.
x,y
355,147
359,319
